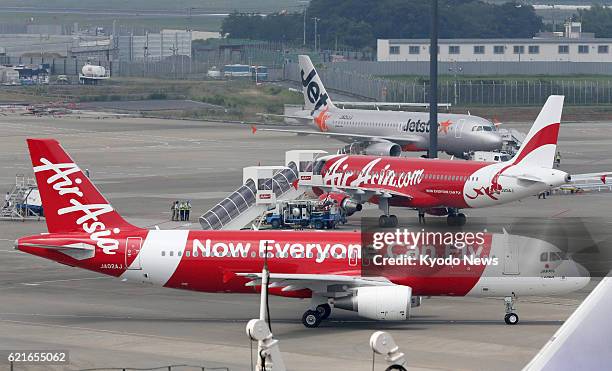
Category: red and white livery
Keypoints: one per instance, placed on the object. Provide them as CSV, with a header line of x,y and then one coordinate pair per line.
x,y
85,231
443,187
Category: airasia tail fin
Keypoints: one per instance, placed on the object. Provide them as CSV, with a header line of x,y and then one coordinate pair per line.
x,y
540,145
315,96
71,202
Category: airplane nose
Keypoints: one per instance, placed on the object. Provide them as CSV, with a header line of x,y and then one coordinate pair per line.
x,y
494,141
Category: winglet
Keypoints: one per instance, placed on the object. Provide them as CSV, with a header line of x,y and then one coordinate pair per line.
x,y
253,129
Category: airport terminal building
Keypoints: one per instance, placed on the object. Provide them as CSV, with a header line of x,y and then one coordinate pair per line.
x,y
570,46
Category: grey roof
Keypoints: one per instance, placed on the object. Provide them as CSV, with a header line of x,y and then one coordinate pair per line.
x,y
560,40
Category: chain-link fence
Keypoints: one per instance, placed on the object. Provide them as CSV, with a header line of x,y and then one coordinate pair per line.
x,y
462,92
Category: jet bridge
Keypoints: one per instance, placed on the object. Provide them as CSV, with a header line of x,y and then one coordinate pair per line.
x,y
261,187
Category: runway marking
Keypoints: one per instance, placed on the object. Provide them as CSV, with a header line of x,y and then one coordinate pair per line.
x,y
63,280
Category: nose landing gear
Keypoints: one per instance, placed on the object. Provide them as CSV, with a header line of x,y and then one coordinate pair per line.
x,y
510,318
386,220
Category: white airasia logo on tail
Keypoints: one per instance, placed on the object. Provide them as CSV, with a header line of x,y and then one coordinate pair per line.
x,y
91,212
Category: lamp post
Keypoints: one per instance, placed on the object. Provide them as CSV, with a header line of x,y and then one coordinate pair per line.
x,y
433,82
316,20
456,69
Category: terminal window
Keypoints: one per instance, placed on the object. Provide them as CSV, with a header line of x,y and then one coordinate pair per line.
x,y
534,49
413,49
519,49
479,49
563,49
603,49
499,49
453,49
394,50
583,49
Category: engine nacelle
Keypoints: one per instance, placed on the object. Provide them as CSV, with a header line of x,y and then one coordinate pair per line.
x,y
386,303
384,149
372,149
347,204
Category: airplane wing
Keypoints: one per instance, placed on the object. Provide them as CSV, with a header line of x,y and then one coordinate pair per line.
x,y
583,342
78,251
403,140
525,177
589,182
362,193
399,105
314,282
303,119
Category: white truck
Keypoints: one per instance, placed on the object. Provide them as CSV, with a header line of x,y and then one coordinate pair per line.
x,y
489,156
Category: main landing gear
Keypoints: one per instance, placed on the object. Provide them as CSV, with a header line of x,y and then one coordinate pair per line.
x,y
313,318
455,219
510,318
386,220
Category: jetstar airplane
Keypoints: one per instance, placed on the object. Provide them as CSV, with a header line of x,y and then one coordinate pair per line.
x,y
443,187
386,133
85,231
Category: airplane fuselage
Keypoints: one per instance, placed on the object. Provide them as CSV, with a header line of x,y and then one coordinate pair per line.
x,y
426,183
210,261
457,133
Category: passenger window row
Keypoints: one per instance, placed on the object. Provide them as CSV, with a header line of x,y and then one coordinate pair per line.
x,y
254,254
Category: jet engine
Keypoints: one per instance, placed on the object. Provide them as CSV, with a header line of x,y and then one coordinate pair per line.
x,y
373,149
387,303
349,205
384,149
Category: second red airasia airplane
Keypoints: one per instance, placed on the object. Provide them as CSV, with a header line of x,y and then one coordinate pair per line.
x,y
444,187
85,231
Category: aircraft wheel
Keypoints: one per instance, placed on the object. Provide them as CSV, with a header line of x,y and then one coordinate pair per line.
x,y
392,221
275,223
324,311
511,319
461,219
318,224
311,318
451,220
383,220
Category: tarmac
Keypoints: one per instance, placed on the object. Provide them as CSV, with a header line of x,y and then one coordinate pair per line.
x,y
142,165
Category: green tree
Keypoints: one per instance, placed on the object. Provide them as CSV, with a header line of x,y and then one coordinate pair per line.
x,y
358,23
598,20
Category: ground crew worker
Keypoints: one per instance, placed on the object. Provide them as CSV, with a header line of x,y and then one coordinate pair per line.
x,y
173,210
558,159
183,210
421,217
187,210
7,200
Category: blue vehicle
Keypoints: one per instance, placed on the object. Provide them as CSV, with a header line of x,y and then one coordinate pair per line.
x,y
301,214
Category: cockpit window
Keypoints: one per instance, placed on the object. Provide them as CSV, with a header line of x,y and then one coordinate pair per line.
x,y
487,128
318,166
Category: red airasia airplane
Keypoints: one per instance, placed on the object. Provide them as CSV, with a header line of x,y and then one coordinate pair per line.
x,y
85,231
444,187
